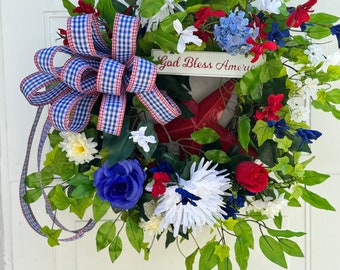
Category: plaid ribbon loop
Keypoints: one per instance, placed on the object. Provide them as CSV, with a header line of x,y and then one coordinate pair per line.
x,y
92,70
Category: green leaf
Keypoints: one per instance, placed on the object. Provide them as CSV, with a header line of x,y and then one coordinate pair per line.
x,y
318,32
243,229
272,250
208,259
271,69
59,164
79,206
285,233
46,178
148,8
54,138
107,11
59,198
243,131
323,18
32,195
278,220
217,156
167,24
99,208
205,136
134,233
120,147
105,235
291,248
333,96
263,132
69,7
189,261
166,41
222,251
53,235
250,84
312,178
283,143
226,5
241,253
316,200
115,248
225,265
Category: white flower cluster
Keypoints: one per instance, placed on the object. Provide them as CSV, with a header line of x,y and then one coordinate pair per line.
x,y
267,206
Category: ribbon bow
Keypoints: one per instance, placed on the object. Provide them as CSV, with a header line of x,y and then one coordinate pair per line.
x,y
93,71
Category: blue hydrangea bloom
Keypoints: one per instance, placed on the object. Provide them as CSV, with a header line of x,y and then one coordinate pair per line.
x,y
232,32
276,35
280,127
307,135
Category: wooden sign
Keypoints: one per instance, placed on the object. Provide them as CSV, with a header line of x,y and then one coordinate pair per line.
x,y
208,64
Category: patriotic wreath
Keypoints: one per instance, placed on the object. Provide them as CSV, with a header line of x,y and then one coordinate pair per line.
x,y
130,143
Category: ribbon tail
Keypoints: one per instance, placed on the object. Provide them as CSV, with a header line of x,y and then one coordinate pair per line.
x,y
111,114
162,108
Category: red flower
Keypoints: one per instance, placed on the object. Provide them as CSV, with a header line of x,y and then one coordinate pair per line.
x,y
63,34
205,36
300,14
269,112
85,8
260,24
158,188
204,13
259,48
251,176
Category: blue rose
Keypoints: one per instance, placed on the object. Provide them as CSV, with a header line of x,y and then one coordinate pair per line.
x,y
121,184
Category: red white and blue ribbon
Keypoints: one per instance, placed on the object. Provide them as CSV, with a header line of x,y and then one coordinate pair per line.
x,y
91,71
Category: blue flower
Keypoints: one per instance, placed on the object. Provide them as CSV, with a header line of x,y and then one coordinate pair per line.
x,y
187,197
232,205
276,35
307,135
232,32
280,127
121,184
163,166
335,30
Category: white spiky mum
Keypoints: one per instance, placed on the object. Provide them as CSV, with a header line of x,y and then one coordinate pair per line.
x,y
78,148
208,184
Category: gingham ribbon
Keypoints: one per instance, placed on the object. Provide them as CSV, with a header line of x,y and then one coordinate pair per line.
x,y
90,72
25,207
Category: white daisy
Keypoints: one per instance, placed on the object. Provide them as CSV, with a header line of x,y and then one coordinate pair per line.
x,y
78,148
194,202
185,36
143,141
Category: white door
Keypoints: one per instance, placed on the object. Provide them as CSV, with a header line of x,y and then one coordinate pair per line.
x,y
27,26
